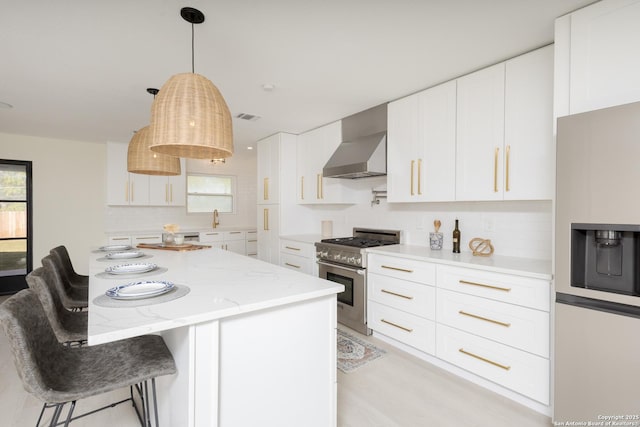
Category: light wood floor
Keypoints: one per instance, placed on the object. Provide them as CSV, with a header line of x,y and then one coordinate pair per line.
x,y
395,390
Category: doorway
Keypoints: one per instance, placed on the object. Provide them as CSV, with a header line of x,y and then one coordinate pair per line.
x,y
16,237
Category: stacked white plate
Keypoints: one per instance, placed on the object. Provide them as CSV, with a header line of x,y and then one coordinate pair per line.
x,y
136,290
124,254
110,248
131,268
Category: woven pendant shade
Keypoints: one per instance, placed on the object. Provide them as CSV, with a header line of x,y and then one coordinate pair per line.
x,y
140,159
190,118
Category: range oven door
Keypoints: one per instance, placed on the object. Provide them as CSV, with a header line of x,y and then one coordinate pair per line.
x,y
352,302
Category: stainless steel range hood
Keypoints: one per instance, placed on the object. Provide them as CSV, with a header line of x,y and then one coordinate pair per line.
x,y
363,152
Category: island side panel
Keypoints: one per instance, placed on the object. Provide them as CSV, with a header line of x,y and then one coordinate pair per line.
x,y
278,366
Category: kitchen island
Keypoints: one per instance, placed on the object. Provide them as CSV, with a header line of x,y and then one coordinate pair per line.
x,y
254,343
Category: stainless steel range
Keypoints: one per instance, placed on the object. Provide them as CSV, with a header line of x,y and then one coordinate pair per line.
x,y
343,260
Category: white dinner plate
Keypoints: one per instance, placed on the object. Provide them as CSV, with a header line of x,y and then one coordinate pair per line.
x,y
130,268
110,248
146,289
124,254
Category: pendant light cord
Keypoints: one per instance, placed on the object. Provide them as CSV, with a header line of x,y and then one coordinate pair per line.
x,y
193,68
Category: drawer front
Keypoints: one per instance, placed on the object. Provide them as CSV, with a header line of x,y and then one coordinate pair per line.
x,y
150,238
517,370
297,248
519,327
252,247
414,298
233,235
211,236
524,291
404,327
406,269
296,263
119,240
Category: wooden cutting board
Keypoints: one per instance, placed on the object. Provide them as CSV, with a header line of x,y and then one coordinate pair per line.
x,y
179,248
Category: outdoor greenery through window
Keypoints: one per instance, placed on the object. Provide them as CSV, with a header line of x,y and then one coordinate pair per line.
x,y
205,193
13,219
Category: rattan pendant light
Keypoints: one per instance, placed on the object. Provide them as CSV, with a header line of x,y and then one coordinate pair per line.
x,y
190,118
140,158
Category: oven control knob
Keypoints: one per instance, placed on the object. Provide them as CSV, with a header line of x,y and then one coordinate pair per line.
x,y
324,254
336,257
343,258
351,260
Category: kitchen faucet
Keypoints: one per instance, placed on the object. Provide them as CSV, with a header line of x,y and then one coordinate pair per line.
x,y
216,220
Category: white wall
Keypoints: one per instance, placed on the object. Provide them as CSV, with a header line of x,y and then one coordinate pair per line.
x,y
242,165
519,229
68,193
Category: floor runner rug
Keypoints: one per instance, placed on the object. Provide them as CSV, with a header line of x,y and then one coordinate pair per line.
x,y
354,352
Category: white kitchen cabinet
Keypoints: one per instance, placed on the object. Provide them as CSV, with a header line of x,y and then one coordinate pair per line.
x,y
169,190
252,243
124,188
315,147
268,233
421,146
268,170
402,300
598,58
480,134
504,146
119,240
132,189
233,241
298,256
134,239
529,149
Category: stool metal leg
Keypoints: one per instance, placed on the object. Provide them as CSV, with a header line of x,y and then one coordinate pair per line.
x,y
70,414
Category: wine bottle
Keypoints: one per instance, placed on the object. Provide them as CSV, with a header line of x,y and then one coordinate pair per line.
x,y
456,239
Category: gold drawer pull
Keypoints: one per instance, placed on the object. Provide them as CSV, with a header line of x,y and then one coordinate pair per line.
x,y
396,325
120,238
293,249
292,265
253,240
491,362
465,282
145,238
395,294
486,319
235,232
397,269
495,171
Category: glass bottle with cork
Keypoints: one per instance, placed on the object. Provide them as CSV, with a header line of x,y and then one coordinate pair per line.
x,y
456,239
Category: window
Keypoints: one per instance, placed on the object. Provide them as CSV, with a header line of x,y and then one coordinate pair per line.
x,y
208,192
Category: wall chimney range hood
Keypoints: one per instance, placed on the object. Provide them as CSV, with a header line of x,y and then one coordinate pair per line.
x,y
363,152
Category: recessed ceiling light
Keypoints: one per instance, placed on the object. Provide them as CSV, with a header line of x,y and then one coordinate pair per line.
x,y
249,148
5,105
268,87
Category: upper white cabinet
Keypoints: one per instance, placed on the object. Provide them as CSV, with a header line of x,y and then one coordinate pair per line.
x,y
504,147
598,51
124,188
268,170
480,134
315,147
421,146
529,152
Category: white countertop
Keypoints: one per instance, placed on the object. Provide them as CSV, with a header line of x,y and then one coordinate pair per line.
x,y
303,238
535,268
222,284
182,230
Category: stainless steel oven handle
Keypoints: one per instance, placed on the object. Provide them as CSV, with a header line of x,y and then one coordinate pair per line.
x,y
355,270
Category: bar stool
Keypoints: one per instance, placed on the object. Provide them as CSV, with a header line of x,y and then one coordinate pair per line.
x,y
57,375
68,272
70,327
72,297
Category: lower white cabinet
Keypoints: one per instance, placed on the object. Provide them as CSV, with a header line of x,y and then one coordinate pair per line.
x,y
299,256
494,325
135,239
234,241
523,372
252,243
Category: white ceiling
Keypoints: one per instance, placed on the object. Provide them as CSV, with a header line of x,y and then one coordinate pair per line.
x,y
77,69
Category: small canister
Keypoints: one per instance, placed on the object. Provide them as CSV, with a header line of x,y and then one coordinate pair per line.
x,y
435,240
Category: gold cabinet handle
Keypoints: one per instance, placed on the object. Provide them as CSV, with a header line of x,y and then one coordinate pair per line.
x,y
265,225
486,319
318,186
132,188
265,188
321,187
465,282
212,234
396,325
292,248
171,193
145,238
419,177
484,359
119,238
395,294
507,168
396,269
495,170
412,164
251,241
292,265
302,188
166,193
